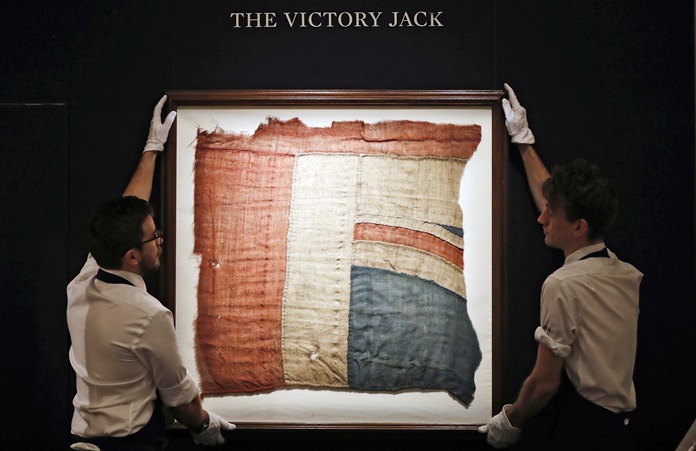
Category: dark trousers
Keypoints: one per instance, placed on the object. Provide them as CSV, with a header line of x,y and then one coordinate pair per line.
x,y
572,423
151,437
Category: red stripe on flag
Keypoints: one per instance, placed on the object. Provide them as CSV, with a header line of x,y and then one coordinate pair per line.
x,y
424,241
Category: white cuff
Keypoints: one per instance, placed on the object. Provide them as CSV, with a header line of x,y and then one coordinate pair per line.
x,y
180,394
557,348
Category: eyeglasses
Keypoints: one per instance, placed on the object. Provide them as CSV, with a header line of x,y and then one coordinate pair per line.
x,y
157,236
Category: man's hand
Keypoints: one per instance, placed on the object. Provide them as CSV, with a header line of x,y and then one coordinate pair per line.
x,y
501,433
516,119
159,131
212,435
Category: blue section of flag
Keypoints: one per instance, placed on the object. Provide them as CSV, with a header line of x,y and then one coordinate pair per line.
x,y
406,332
456,230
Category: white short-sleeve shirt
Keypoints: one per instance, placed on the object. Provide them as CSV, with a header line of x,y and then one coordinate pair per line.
x,y
589,318
123,351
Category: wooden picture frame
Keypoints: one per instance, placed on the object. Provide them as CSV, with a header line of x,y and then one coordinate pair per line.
x,y
202,109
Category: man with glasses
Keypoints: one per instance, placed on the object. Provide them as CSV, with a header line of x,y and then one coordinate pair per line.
x,y
124,350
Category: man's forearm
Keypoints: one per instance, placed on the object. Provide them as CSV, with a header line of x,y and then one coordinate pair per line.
x,y
140,184
536,172
538,389
190,414
532,398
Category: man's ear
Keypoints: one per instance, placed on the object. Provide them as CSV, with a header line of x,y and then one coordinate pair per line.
x,y
131,259
581,228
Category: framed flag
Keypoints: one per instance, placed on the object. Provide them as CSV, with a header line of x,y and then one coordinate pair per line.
x,y
335,258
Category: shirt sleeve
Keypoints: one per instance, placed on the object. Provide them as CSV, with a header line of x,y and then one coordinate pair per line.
x,y
558,318
160,354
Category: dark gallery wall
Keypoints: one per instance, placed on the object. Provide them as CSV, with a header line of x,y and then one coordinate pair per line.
x,y
609,81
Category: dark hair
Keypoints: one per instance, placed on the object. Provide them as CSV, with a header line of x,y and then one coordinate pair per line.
x,y
583,191
114,227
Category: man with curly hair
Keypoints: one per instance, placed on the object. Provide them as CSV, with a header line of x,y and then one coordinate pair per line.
x,y
580,390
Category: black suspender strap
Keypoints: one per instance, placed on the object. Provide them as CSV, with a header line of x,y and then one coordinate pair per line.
x,y
112,278
603,253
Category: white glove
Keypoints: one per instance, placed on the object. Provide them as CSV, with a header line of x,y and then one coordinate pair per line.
x,y
212,435
159,131
501,433
516,119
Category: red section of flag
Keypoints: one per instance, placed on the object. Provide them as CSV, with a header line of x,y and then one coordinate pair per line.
x,y
424,241
242,205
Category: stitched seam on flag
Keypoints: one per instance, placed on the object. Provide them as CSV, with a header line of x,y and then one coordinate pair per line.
x,y
288,264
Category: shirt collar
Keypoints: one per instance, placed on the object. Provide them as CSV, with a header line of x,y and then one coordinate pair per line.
x,y
135,279
580,253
